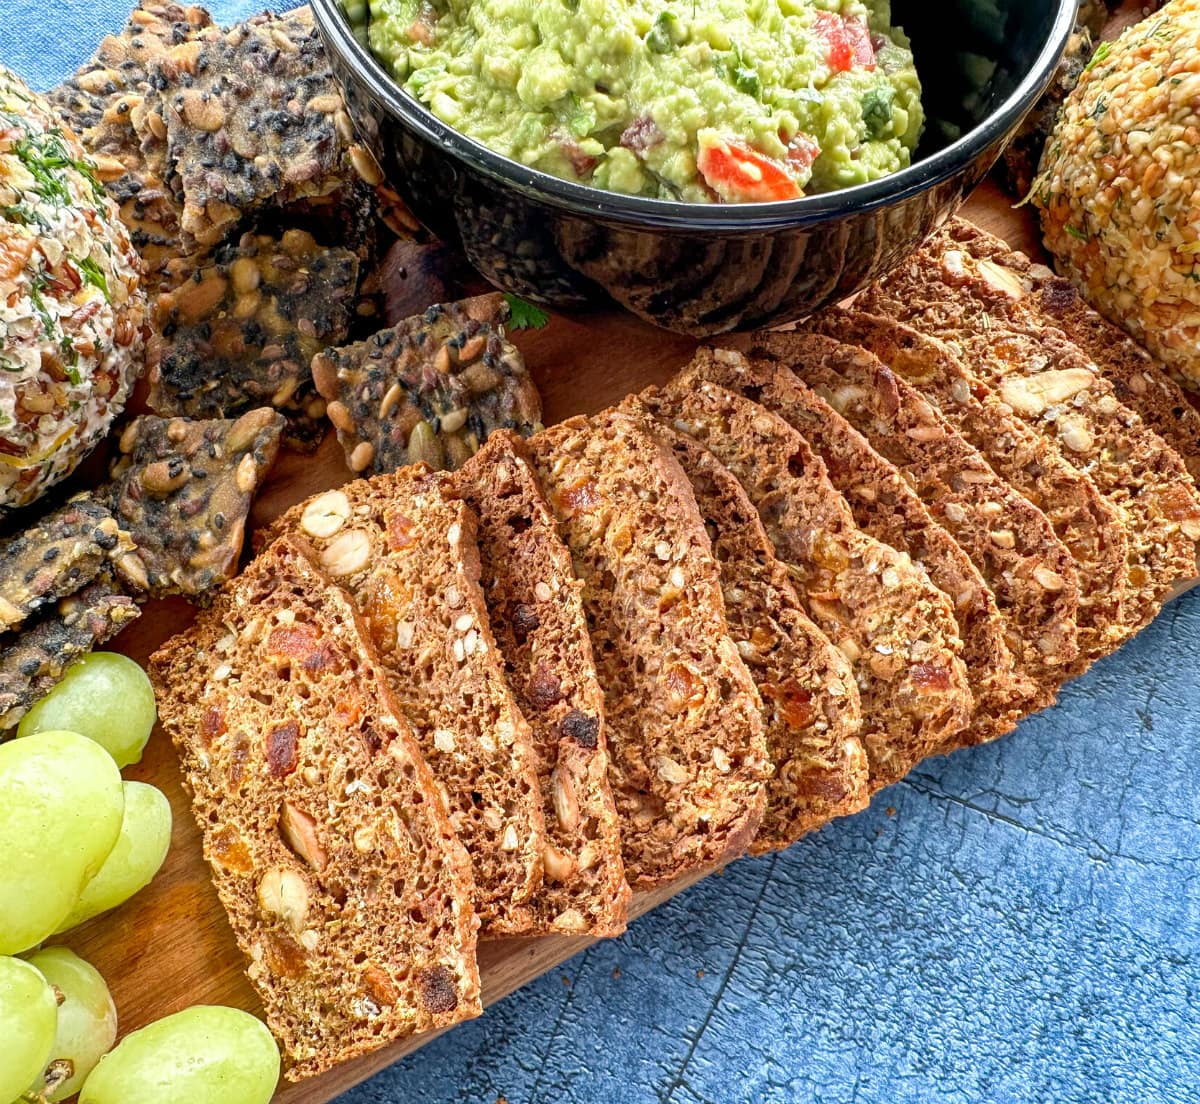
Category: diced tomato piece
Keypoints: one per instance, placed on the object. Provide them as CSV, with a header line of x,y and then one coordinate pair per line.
x,y
848,41
739,174
803,151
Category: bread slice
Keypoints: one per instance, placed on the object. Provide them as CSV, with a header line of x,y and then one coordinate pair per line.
x,y
689,757
810,702
344,882
945,290
1139,381
406,553
887,508
1030,462
1027,567
896,628
541,633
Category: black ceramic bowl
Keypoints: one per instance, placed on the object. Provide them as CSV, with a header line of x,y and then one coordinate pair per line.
x,y
710,268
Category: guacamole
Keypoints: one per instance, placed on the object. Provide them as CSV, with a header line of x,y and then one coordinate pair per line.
x,y
695,100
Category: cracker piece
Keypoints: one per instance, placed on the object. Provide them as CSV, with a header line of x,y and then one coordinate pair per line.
x,y
344,883
1028,569
1139,381
240,330
896,628
978,309
541,633
886,506
183,490
1029,461
690,762
406,553
810,703
429,389
56,556
32,662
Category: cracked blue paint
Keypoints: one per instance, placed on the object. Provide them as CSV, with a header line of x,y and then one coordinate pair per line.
x,y
1023,929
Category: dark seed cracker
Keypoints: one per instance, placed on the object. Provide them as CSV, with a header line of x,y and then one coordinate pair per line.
x,y
183,490
430,388
32,663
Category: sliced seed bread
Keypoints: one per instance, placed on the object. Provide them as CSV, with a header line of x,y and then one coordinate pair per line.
x,y
541,632
896,628
887,508
1029,461
810,701
1027,567
1055,388
344,882
689,762
407,555
1137,379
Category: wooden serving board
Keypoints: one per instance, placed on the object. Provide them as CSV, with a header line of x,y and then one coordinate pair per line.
x,y
170,946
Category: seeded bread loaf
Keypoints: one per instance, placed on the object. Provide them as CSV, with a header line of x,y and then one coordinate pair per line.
x,y
406,553
689,757
342,877
810,701
1029,570
541,633
947,292
1030,462
887,508
896,628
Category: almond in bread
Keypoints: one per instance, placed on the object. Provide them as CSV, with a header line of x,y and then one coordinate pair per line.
x,y
541,633
342,877
689,763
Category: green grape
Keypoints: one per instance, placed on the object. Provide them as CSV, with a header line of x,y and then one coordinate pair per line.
x,y
87,1020
61,806
133,862
202,1055
28,1013
104,696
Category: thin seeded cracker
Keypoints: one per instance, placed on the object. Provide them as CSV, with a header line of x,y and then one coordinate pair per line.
x,y
183,490
56,556
810,704
541,632
429,389
886,507
1055,388
406,553
241,329
1027,567
344,883
33,661
896,628
1029,461
689,763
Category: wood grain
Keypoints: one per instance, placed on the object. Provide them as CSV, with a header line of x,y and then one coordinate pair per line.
x,y
171,947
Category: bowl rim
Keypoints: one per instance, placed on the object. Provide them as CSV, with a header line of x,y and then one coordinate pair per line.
x,y
642,211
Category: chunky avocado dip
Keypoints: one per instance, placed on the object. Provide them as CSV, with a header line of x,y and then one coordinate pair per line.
x,y
700,100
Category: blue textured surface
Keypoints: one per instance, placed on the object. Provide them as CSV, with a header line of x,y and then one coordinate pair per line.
x,y
1018,923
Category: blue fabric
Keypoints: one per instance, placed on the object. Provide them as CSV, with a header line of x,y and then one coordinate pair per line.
x,y
1019,923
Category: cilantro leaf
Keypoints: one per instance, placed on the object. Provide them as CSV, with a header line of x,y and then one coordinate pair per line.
x,y
523,315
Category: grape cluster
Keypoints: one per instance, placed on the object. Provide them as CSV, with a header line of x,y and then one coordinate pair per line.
x,y
75,841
